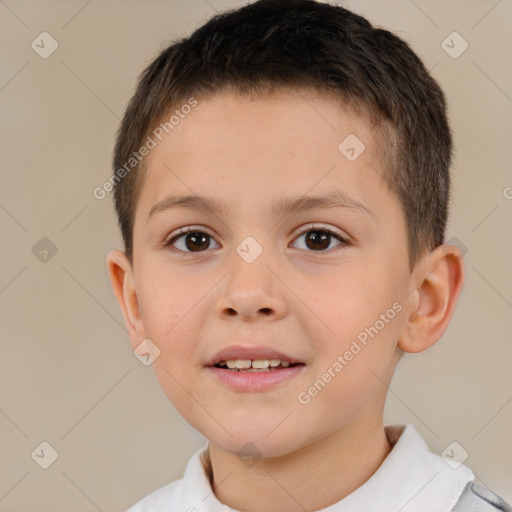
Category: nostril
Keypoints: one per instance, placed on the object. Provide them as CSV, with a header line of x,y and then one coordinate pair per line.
x,y
265,311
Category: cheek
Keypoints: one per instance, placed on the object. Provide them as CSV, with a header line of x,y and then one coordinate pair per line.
x,y
363,312
169,313
166,299
351,299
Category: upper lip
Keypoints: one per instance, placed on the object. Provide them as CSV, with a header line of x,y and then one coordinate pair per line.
x,y
250,352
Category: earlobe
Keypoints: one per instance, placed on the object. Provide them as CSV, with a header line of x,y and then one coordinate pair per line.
x,y
441,276
122,282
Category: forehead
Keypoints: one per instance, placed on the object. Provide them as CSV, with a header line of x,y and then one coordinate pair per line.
x,y
250,151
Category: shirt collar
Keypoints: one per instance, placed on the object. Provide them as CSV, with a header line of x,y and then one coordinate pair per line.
x,y
410,479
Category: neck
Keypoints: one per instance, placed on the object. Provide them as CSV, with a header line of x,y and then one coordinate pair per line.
x,y
337,465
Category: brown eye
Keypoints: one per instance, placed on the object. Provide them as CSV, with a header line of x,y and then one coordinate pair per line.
x,y
192,240
319,239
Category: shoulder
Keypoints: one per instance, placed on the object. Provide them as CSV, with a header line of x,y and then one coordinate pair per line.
x,y
475,498
162,499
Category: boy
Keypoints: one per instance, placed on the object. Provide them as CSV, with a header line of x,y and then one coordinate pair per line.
x,y
273,128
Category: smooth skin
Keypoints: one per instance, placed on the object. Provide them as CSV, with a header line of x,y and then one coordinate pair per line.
x,y
193,299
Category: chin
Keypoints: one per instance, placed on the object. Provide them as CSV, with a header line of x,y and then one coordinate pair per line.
x,y
255,441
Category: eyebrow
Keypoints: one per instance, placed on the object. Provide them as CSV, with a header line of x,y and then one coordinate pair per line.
x,y
284,206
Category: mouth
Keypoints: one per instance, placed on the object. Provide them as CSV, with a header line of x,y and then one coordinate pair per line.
x,y
255,365
253,369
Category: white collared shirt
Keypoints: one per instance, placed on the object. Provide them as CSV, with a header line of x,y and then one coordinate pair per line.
x,y
410,479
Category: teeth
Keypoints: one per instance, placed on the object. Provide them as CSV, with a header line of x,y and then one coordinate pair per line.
x,y
248,364
238,363
260,363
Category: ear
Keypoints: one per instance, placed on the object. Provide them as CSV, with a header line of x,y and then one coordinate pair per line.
x,y
123,285
440,276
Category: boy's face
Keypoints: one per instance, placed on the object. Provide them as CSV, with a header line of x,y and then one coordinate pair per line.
x,y
306,295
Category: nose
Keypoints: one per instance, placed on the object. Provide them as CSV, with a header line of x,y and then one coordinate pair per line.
x,y
252,292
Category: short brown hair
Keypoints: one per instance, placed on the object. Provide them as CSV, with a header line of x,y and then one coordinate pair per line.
x,y
271,44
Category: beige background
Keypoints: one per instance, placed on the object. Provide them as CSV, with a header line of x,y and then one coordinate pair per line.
x,y
67,374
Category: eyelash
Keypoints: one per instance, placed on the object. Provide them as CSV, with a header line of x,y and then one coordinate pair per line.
x,y
198,229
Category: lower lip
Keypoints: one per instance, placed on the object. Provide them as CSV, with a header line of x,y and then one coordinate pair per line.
x,y
255,381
